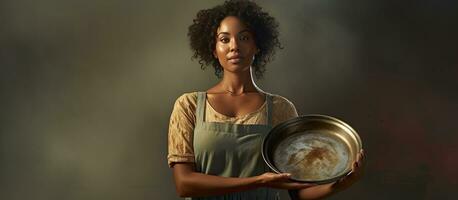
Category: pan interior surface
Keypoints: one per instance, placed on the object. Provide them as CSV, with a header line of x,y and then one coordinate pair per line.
x,y
312,155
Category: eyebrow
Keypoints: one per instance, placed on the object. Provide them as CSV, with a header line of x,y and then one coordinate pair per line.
x,y
226,33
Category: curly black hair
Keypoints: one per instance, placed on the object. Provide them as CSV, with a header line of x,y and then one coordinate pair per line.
x,y
202,33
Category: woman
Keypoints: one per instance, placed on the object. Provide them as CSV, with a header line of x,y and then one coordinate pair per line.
x,y
215,136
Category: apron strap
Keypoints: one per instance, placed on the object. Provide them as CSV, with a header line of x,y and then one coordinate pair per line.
x,y
269,109
200,114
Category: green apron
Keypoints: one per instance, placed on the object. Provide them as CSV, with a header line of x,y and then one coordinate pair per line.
x,y
231,150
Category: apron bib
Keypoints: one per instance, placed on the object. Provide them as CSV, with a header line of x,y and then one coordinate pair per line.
x,y
231,150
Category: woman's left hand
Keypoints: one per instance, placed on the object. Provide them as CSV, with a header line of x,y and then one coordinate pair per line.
x,y
355,174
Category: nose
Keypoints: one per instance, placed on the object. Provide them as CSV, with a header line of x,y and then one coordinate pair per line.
x,y
234,45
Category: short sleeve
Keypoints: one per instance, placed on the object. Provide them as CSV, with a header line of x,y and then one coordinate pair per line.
x,y
282,110
181,129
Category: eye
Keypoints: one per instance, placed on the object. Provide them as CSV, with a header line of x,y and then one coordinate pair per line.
x,y
224,40
244,37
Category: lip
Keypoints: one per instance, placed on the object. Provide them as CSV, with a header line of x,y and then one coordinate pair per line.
x,y
234,59
235,56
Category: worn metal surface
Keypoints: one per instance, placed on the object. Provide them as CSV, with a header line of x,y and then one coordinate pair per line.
x,y
312,155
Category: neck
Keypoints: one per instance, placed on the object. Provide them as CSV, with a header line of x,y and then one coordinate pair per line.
x,y
239,83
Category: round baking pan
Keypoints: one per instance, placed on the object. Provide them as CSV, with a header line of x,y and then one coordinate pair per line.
x,y
312,148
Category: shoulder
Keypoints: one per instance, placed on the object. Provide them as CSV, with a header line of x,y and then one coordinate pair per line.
x,y
282,109
184,111
189,97
185,104
280,101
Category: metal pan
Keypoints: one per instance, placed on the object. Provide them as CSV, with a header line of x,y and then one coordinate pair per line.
x,y
313,148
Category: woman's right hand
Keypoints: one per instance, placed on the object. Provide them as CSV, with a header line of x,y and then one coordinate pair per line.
x,y
281,181
190,183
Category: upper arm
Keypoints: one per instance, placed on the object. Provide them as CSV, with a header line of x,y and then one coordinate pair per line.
x,y
181,129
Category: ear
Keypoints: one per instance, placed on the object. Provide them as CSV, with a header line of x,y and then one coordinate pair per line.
x,y
215,55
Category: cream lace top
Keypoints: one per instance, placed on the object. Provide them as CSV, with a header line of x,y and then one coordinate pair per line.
x,y
183,119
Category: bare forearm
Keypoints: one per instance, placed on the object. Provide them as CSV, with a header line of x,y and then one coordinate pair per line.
x,y
319,191
315,192
190,183
198,184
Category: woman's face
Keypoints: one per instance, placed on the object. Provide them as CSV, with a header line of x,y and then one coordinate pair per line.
x,y
235,45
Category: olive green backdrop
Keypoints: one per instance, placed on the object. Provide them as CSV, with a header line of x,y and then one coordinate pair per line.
x,y
87,88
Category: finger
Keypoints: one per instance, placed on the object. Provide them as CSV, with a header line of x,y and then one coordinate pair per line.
x,y
355,165
354,168
282,176
360,158
285,175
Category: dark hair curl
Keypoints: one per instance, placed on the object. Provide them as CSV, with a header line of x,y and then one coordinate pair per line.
x,y
202,33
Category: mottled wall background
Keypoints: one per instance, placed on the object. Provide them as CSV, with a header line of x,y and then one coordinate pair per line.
x,y
87,88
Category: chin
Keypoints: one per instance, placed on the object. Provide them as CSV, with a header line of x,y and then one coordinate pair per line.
x,y
238,68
